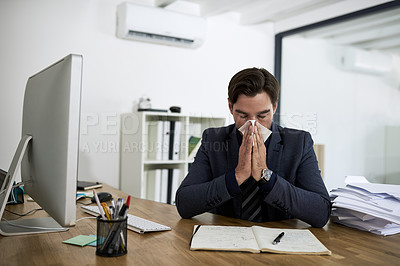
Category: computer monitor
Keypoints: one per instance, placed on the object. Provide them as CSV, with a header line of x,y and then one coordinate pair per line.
x,y
49,148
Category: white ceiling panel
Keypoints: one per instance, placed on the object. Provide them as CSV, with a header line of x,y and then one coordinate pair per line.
x,y
380,31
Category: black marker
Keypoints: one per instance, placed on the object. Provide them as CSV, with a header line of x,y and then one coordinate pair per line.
x,y
278,238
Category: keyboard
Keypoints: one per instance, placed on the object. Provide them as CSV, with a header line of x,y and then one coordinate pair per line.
x,y
134,223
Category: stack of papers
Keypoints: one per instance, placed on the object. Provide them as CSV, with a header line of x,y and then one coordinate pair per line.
x,y
367,206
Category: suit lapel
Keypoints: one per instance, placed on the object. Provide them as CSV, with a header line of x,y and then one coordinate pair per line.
x,y
274,152
233,149
232,160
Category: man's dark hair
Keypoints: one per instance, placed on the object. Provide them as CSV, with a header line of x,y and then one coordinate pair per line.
x,y
252,81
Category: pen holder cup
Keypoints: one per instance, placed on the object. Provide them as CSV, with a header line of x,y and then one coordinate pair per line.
x,y
111,237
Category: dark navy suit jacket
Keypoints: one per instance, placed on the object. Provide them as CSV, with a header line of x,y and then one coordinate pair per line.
x,y
298,192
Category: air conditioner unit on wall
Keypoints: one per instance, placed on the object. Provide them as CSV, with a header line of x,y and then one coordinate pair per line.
x,y
159,25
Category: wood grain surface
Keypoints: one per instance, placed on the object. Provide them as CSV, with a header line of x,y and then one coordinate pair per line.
x,y
349,246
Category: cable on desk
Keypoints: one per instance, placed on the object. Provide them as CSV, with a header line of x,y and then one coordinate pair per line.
x,y
25,214
84,203
86,218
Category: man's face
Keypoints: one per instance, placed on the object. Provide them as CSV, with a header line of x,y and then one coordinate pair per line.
x,y
257,108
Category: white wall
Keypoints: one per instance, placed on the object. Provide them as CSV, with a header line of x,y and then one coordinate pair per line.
x,y
346,111
117,72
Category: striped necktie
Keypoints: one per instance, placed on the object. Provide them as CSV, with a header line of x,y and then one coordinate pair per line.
x,y
251,200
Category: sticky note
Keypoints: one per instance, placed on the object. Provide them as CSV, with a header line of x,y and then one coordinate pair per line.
x,y
80,240
94,243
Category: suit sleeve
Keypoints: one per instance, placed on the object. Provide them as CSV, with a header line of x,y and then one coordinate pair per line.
x,y
307,199
201,191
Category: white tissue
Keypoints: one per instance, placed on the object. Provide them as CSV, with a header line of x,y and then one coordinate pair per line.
x,y
264,131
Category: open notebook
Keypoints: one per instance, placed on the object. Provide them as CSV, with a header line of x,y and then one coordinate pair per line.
x,y
256,239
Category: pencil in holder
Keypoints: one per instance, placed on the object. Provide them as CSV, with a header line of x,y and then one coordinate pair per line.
x,y
111,237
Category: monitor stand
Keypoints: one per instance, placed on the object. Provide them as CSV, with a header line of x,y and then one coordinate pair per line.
x,y
30,226
22,226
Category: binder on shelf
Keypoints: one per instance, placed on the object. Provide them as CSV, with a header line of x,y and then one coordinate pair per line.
x,y
175,184
155,140
176,142
150,182
171,139
169,185
164,186
166,140
154,185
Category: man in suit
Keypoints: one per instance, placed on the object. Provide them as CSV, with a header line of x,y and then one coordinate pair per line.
x,y
265,181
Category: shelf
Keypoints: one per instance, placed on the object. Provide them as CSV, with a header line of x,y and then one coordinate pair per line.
x,y
141,167
165,162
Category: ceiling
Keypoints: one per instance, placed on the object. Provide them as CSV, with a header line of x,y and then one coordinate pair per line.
x,y
378,32
374,32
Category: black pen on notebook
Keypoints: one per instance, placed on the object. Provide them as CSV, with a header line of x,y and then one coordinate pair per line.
x,y
278,238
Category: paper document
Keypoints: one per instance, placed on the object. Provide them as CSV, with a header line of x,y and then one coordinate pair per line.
x,y
367,206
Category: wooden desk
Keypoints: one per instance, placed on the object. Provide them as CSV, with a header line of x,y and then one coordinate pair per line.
x,y
348,246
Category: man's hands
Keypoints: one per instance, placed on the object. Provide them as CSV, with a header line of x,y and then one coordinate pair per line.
x,y
243,169
252,159
259,154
